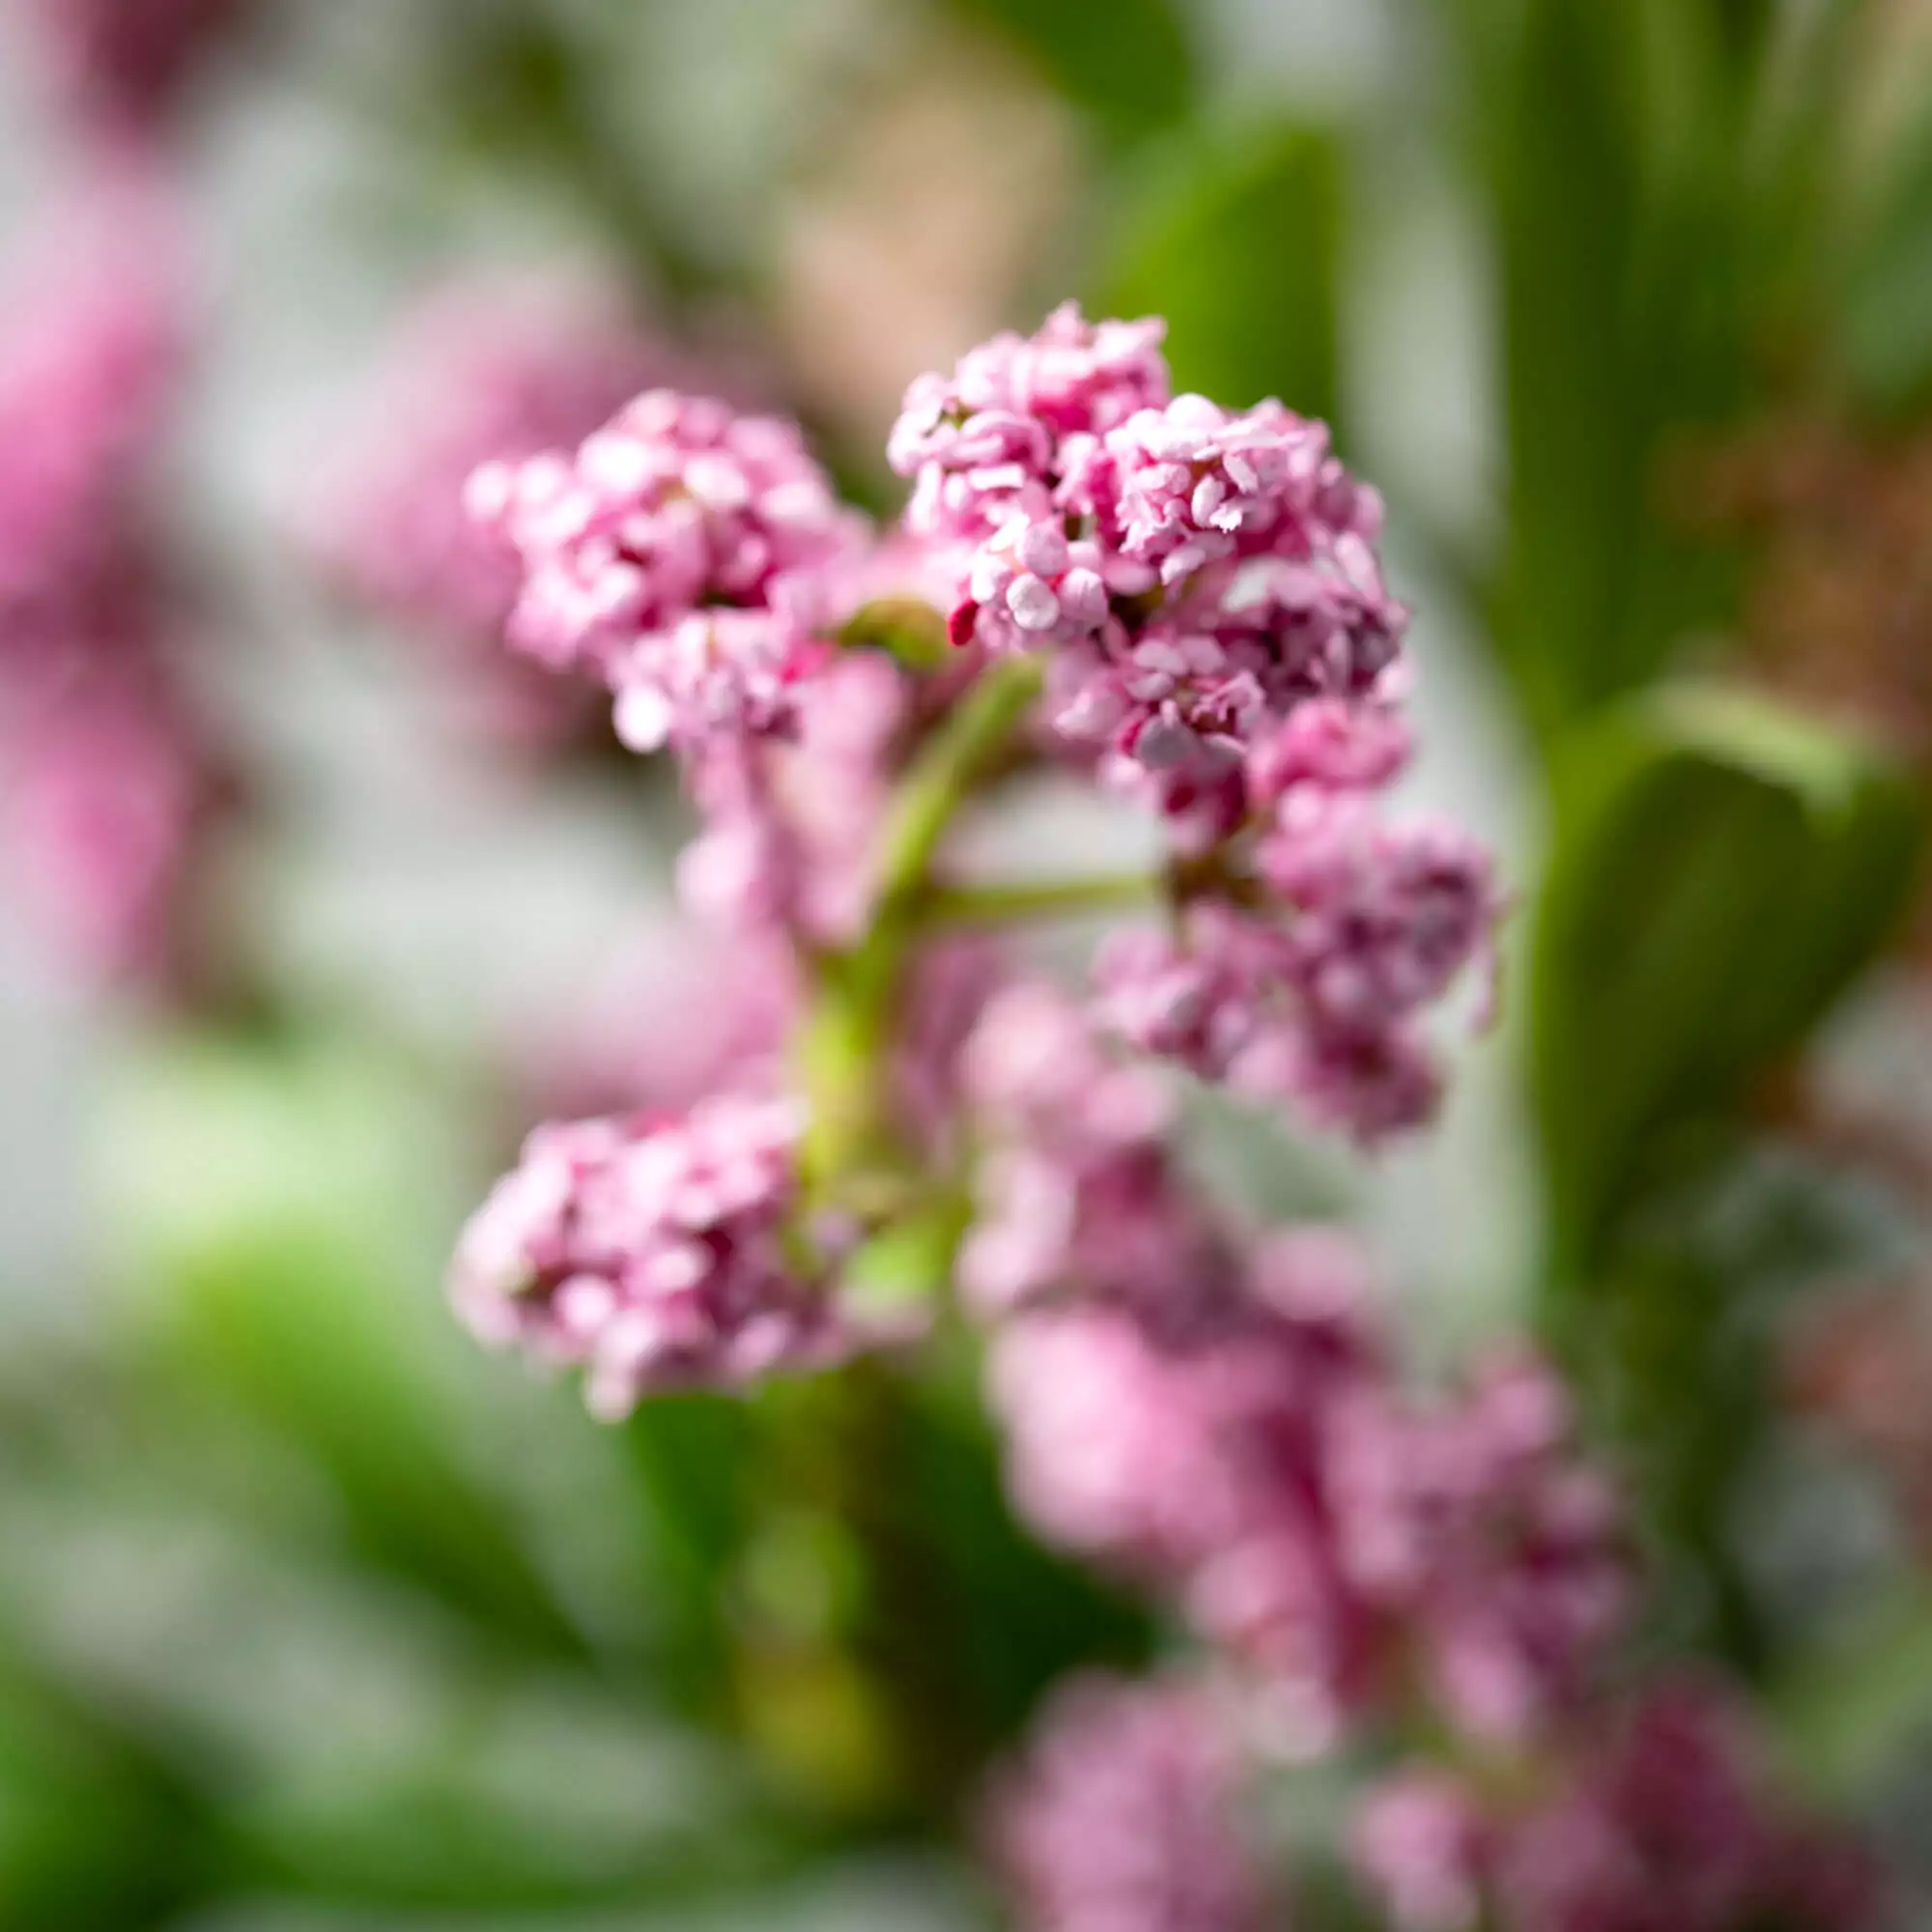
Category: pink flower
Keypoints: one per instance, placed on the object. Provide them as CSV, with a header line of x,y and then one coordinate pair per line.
x,y
984,443
92,356
125,63
1222,1001
1198,1464
1079,1197
1661,1818
1209,674
1028,588
1380,919
1331,745
1039,1068
684,554
1421,1844
1109,1453
1125,1816
652,1253
1187,484
791,824
1504,1549
111,779
1308,991
108,791
1670,1824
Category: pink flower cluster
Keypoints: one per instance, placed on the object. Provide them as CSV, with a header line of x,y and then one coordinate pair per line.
x,y
653,1253
1203,590
1307,980
484,373
791,821
1197,573
1124,1818
124,63
1664,1822
1308,1517
687,554
111,780
1129,1812
1079,1193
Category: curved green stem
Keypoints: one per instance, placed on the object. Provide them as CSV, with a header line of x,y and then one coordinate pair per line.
x,y
1021,900
958,755
849,1156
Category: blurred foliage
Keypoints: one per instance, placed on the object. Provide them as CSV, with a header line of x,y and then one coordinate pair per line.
x,y
1238,242
1719,872
1885,293
1128,64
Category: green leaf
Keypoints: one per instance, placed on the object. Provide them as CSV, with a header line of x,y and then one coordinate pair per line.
x,y
1128,63
1236,241
1885,306
1721,871
99,1827
283,1203
1851,1713
1616,161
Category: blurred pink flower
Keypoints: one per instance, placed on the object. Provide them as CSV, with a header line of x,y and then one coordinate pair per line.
x,y
651,1252
111,779
105,794
124,63
1125,1816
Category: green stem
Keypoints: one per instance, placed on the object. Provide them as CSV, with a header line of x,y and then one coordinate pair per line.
x,y
851,1155
964,747
1021,900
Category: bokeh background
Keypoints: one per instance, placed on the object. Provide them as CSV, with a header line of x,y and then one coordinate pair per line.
x,y
313,1617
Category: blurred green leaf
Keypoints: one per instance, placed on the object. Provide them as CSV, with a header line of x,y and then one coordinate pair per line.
x,y
520,1819
1616,161
1852,1712
98,1828
1029,1616
1236,241
1884,314
690,1456
275,1198
1720,870
1128,63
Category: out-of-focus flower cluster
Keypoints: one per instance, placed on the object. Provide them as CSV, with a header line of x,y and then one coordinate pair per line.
x,y
122,64
1183,604
1348,1544
1667,1816
1127,1815
109,774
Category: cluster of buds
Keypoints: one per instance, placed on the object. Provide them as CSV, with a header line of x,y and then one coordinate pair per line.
x,y
1183,605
